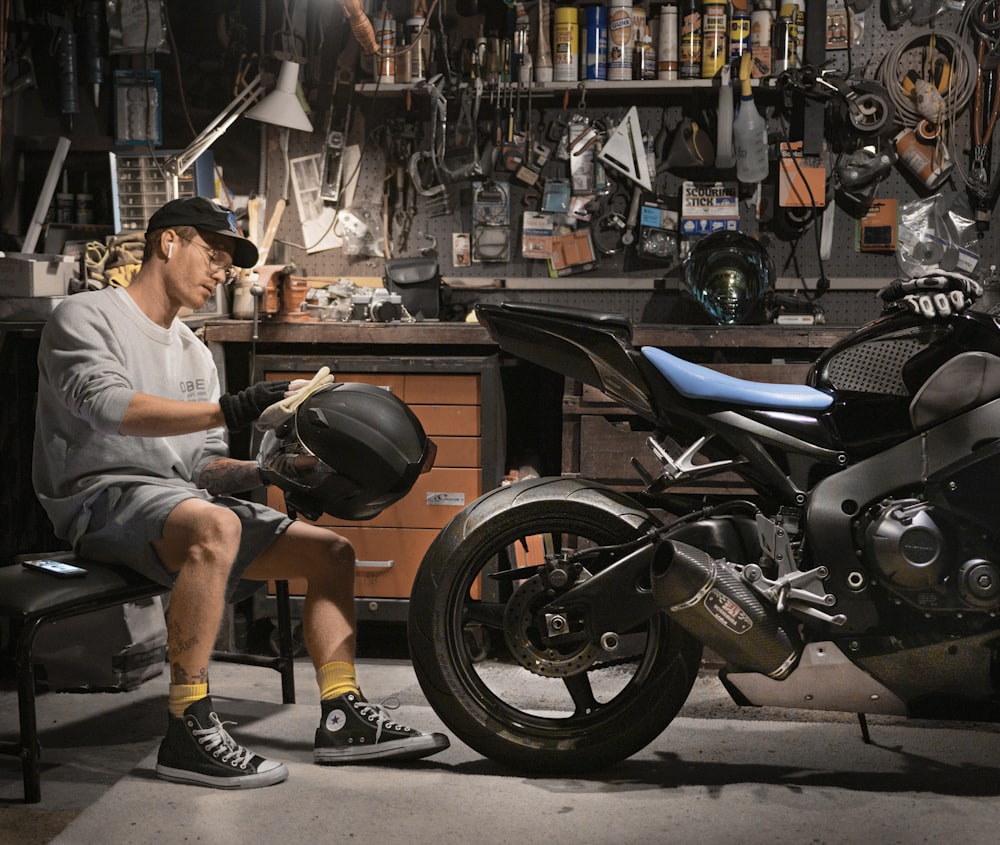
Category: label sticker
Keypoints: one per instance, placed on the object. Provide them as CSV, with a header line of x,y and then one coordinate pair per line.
x,y
727,612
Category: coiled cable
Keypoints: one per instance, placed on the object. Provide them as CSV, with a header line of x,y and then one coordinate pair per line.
x,y
961,84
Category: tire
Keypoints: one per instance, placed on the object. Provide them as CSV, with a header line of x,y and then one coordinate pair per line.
x,y
476,680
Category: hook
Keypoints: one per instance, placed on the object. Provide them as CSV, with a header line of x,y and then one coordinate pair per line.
x,y
583,95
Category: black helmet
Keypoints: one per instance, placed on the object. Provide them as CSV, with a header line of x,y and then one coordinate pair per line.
x,y
350,450
730,275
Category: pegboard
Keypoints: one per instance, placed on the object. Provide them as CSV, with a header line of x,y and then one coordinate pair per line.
x,y
616,284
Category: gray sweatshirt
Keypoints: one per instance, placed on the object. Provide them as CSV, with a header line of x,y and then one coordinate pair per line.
x,y
97,351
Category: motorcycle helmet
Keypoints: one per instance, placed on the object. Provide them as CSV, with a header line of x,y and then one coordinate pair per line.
x,y
350,450
730,275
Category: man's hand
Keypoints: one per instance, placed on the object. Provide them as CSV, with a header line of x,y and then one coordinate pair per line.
x,y
938,294
243,408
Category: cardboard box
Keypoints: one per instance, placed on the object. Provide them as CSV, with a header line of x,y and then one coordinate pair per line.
x,y
802,178
708,207
23,274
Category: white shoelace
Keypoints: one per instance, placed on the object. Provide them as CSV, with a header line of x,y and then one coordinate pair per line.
x,y
369,710
217,740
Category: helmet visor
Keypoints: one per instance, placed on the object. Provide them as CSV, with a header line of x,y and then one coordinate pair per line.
x,y
291,460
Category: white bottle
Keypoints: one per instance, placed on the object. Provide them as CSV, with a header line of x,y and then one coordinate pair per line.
x,y
749,133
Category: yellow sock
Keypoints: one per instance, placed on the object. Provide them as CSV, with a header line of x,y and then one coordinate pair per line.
x,y
183,695
335,679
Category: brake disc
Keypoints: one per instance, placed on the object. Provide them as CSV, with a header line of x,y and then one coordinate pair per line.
x,y
524,639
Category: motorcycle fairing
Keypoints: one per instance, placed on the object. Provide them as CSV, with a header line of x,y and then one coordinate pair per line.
x,y
593,348
962,382
697,382
836,502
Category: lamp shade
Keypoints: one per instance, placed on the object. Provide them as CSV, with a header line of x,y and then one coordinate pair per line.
x,y
282,107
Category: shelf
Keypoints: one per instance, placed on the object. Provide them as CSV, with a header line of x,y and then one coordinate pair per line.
x,y
591,86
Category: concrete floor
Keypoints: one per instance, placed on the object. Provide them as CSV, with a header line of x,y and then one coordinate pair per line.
x,y
716,775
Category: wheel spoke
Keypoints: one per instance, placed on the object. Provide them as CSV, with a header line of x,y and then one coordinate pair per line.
x,y
488,614
579,689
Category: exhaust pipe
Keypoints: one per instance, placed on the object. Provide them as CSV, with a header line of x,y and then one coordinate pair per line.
x,y
710,601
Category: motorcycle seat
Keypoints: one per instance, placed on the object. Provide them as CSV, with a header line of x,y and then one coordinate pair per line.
x,y
697,382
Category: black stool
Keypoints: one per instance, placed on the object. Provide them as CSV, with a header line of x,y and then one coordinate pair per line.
x,y
34,598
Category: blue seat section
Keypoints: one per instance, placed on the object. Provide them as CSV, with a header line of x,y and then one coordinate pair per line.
x,y
697,382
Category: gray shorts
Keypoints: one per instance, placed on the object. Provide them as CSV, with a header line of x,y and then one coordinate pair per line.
x,y
126,521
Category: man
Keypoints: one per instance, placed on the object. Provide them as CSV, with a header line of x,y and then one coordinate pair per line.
x,y
132,467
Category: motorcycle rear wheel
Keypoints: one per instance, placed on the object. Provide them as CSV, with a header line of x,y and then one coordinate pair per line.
x,y
471,637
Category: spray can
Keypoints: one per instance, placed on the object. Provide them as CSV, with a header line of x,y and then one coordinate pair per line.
x,y
565,44
596,55
666,55
715,38
783,46
761,27
739,34
385,41
644,57
689,64
620,40
420,52
638,28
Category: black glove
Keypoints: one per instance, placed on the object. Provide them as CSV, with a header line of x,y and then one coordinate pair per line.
x,y
938,294
241,409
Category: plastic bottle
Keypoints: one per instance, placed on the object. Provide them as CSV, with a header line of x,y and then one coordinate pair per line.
x,y
749,132
724,155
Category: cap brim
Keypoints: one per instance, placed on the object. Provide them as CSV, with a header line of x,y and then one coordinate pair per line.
x,y
245,254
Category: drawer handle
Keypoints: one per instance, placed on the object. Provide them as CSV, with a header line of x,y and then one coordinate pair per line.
x,y
374,564
452,500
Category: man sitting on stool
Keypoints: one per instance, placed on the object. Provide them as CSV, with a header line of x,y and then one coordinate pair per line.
x,y
132,466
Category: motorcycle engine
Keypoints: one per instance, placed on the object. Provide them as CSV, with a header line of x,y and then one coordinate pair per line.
x,y
921,561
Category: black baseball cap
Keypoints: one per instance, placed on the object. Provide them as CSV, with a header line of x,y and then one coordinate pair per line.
x,y
208,216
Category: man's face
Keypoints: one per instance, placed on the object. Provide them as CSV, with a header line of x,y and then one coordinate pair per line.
x,y
205,261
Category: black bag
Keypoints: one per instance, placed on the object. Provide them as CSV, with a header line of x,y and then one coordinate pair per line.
x,y
418,282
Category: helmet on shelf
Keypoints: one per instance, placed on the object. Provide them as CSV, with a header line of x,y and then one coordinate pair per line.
x,y
730,275
350,450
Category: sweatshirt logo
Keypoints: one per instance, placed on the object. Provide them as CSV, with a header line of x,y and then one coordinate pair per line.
x,y
194,390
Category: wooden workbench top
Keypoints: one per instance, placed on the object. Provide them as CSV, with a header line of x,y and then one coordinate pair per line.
x,y
434,333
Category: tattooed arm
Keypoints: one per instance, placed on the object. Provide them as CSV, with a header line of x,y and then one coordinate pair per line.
x,y
227,475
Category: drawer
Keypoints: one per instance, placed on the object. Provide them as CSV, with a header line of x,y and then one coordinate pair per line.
x,y
417,388
460,420
393,382
387,560
435,498
458,451
437,416
430,389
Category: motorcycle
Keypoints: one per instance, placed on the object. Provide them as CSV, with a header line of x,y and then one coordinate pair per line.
x,y
557,625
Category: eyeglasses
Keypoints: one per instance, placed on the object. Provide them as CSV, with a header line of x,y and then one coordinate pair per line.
x,y
215,260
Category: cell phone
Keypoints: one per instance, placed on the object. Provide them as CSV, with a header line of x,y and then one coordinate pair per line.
x,y
57,568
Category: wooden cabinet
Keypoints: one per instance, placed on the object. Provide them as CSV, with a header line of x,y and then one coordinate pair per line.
x,y
452,397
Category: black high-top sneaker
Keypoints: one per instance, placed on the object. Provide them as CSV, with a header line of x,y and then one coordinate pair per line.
x,y
199,750
356,731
